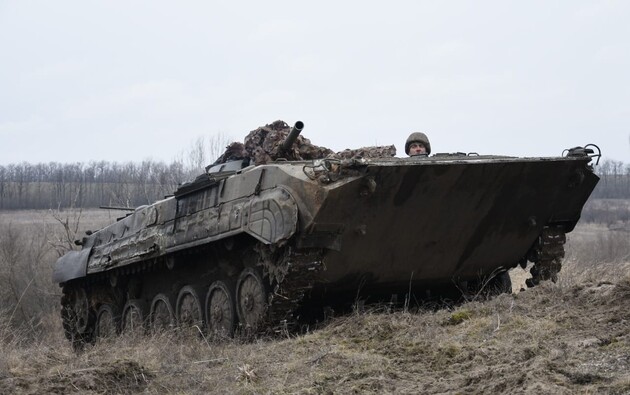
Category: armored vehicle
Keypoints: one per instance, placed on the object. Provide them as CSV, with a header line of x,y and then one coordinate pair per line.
x,y
260,244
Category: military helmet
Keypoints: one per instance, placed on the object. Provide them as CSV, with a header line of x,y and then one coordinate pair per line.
x,y
418,137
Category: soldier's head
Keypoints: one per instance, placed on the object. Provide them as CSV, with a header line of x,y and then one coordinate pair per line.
x,y
417,144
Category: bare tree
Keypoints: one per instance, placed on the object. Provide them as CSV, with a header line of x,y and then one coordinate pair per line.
x,y
217,144
203,151
196,155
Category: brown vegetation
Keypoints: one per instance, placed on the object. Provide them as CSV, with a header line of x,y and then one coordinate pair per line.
x,y
568,337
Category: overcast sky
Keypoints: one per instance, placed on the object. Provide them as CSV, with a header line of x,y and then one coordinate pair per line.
x,y
133,80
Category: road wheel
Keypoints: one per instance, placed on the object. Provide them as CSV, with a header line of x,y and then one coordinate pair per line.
x,y
220,309
107,321
487,287
162,316
499,284
251,299
134,317
189,309
77,316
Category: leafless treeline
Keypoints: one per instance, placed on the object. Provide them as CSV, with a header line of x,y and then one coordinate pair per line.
x,y
94,184
58,185
51,185
615,180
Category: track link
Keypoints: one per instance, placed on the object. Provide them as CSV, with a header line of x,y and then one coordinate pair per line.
x,y
547,255
292,274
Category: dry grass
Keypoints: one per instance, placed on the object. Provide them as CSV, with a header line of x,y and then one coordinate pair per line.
x,y
30,242
569,337
549,339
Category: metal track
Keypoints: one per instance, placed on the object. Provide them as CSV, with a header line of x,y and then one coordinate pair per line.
x,y
293,274
547,255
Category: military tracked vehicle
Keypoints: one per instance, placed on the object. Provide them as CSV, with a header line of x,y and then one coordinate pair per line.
x,y
258,244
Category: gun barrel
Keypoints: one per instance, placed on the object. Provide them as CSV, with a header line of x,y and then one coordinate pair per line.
x,y
293,135
117,208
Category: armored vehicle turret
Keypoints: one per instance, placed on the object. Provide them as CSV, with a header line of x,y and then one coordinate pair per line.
x,y
267,235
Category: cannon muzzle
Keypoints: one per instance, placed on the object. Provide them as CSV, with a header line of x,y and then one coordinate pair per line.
x,y
293,135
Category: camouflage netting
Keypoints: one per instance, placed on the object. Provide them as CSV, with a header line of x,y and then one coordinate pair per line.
x,y
263,145
384,151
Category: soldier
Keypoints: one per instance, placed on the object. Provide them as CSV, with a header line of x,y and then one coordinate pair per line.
x,y
417,144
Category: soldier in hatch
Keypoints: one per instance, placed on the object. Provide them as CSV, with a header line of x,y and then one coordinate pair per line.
x,y
417,144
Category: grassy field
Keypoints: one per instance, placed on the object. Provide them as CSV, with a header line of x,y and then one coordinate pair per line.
x,y
569,337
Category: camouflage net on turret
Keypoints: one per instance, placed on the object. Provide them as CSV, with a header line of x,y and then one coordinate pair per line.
x,y
384,151
262,145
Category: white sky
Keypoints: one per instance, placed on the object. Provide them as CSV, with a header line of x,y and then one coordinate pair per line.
x,y
133,80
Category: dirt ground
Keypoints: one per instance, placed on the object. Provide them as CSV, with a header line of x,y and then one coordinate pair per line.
x,y
549,339
564,338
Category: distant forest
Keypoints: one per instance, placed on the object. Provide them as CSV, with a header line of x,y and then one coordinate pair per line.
x,y
101,183
56,185
615,180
